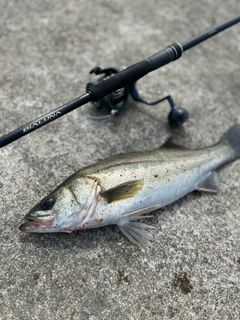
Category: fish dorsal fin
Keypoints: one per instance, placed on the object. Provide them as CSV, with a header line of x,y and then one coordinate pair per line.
x,y
169,144
122,191
211,184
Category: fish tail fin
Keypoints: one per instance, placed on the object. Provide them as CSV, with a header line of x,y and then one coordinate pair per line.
x,y
232,137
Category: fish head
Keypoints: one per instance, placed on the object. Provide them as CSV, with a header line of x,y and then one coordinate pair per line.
x,y
63,210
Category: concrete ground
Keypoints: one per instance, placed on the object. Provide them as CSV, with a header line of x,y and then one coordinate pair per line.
x,y
47,48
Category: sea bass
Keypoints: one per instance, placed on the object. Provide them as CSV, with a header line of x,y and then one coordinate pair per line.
x,y
120,189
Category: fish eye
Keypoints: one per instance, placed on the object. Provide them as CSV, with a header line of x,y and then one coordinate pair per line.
x,y
47,203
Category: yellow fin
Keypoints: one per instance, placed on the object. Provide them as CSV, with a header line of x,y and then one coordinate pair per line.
x,y
122,191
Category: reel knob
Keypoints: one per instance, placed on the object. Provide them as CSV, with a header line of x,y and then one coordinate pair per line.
x,y
177,116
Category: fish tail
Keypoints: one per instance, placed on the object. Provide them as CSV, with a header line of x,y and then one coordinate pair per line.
x,y
232,137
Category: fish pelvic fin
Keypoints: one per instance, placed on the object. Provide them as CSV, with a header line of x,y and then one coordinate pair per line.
x,y
211,184
122,191
139,212
136,231
232,137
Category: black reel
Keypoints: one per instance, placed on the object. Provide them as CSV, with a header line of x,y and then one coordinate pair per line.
x,y
114,101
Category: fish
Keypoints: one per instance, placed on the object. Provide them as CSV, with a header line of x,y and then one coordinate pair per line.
x,y
121,189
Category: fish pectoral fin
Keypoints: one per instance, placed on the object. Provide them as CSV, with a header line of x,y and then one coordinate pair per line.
x,y
211,184
122,191
136,231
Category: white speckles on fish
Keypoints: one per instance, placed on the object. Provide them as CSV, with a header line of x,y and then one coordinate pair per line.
x,y
120,189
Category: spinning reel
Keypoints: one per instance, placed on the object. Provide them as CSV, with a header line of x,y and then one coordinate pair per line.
x,y
114,101
112,89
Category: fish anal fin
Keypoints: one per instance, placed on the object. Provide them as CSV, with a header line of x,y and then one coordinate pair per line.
x,y
211,184
122,191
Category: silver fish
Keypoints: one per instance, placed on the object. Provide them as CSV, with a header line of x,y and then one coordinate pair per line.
x,y
120,189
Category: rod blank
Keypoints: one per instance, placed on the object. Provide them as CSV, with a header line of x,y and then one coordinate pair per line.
x,y
119,80
46,118
209,33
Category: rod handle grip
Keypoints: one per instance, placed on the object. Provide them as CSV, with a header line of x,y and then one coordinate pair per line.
x,y
134,72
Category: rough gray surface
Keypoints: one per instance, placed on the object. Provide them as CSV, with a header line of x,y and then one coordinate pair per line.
x,y
46,51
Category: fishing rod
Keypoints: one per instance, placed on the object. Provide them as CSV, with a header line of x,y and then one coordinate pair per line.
x,y
115,85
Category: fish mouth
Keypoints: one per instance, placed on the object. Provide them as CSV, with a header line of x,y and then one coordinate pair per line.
x,y
36,224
